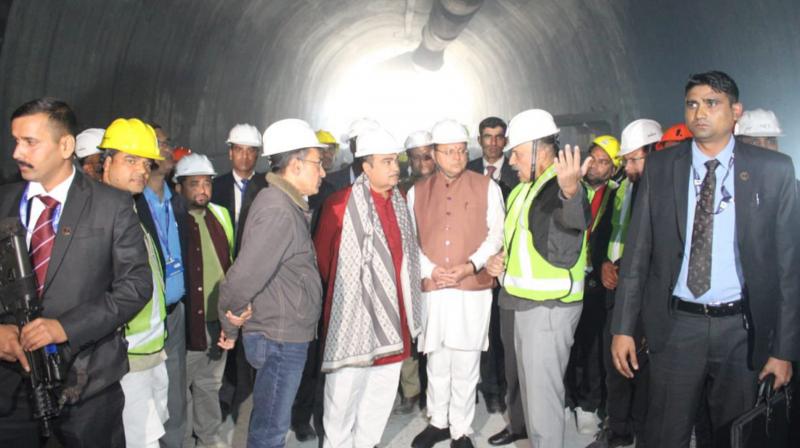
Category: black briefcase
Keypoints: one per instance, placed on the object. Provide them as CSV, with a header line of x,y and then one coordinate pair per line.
x,y
767,424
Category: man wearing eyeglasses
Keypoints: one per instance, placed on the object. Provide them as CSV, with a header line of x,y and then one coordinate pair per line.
x,y
459,216
626,399
419,147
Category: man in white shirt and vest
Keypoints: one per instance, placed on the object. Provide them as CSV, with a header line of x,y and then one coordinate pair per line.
x,y
459,217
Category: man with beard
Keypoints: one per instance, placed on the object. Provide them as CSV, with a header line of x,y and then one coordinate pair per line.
x,y
88,153
369,260
584,377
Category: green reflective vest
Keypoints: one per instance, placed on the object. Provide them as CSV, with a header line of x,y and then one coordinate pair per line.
x,y
620,219
224,218
528,275
146,332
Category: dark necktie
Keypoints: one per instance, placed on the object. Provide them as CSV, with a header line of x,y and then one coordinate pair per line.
x,y
490,171
244,185
42,240
699,279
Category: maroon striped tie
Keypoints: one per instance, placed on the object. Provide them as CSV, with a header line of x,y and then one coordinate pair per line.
x,y
42,241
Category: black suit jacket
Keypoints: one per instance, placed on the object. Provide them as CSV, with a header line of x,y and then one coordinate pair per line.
x,y
97,280
340,178
508,177
222,193
767,216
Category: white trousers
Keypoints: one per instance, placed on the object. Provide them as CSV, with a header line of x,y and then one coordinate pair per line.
x,y
358,401
452,381
145,408
543,338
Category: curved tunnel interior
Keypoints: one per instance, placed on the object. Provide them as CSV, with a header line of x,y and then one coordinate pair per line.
x,y
199,67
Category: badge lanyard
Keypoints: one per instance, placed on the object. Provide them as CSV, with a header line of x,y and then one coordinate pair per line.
x,y
727,197
24,203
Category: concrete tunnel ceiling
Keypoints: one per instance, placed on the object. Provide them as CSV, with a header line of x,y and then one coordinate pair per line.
x,y
199,67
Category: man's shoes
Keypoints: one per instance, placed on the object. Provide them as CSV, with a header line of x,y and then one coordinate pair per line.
x,y
304,432
587,422
406,405
430,436
462,442
607,438
494,405
505,437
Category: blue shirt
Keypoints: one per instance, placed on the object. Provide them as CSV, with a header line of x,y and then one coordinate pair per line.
x,y
726,270
170,242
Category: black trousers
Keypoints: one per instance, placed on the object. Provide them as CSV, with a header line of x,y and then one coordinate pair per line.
x,y
626,399
516,417
702,355
310,395
94,422
493,381
584,380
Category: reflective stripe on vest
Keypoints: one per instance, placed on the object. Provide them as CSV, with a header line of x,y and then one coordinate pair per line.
x,y
528,274
224,218
145,332
620,220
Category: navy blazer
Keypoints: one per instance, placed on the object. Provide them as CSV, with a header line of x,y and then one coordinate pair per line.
x,y
767,216
222,193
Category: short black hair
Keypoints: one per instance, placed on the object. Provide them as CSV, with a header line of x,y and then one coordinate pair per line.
x,y
491,122
57,111
279,162
718,81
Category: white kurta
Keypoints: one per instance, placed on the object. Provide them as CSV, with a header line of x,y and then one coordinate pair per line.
x,y
454,318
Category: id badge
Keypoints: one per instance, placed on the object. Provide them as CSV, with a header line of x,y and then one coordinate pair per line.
x,y
173,267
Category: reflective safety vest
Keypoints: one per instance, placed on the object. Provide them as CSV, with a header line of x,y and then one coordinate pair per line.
x,y
224,218
146,331
528,275
620,220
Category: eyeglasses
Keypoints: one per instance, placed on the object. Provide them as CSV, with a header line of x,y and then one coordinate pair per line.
x,y
318,163
453,152
422,158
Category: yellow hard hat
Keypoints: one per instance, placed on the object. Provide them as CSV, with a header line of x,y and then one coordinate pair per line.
x,y
132,136
327,138
610,145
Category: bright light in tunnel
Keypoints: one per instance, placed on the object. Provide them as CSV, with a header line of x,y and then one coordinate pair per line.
x,y
387,86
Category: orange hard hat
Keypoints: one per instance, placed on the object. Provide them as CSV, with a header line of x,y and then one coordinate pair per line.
x,y
180,152
675,133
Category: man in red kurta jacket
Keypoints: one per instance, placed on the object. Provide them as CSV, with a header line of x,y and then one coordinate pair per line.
x,y
368,257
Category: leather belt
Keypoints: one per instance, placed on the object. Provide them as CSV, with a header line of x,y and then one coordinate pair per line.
x,y
722,310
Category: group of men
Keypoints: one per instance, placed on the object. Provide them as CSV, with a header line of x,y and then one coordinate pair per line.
x,y
548,280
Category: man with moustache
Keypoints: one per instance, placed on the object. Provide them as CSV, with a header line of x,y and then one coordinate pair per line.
x,y
459,216
710,266
419,148
92,279
129,151
276,274
369,260
88,153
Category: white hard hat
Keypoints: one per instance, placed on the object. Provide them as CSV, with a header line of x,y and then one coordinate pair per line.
x,y
194,165
758,123
528,126
86,142
376,141
287,135
449,131
244,134
638,133
418,138
359,126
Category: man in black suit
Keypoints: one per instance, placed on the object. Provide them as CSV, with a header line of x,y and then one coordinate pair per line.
x,y
237,190
95,279
492,138
711,267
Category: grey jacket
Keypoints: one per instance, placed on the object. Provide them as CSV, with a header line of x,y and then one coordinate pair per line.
x,y
276,270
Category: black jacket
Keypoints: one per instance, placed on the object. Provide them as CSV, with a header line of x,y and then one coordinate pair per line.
x,y
222,193
508,177
767,216
97,280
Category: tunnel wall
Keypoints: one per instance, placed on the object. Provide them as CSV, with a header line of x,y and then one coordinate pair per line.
x,y
199,66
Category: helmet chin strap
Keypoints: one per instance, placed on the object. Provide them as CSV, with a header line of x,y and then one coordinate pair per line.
x,y
534,152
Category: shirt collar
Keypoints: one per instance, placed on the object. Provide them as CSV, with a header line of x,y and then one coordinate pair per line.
x,y
378,197
59,193
152,197
238,179
497,164
724,157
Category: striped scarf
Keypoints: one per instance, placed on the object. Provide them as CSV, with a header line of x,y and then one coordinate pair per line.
x,y
365,320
